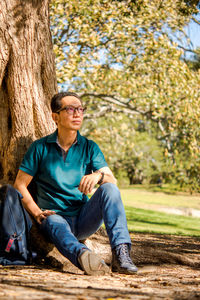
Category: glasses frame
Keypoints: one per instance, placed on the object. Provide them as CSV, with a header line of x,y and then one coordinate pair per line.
x,y
75,109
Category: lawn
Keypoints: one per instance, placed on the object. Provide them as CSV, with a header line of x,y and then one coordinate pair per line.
x,y
141,198
143,215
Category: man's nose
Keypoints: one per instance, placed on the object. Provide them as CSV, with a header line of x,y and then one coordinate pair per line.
x,y
76,112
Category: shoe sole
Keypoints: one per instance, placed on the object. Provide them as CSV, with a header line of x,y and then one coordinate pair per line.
x,y
125,271
92,264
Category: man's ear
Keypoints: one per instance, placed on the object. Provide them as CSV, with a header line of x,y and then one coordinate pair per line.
x,y
55,117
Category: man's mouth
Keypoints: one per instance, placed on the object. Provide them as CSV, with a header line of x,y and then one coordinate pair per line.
x,y
76,121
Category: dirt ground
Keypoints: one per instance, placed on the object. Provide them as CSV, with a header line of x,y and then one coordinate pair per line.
x,y
169,268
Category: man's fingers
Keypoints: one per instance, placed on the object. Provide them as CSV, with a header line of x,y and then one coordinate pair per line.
x,y
88,182
40,218
44,215
83,184
48,212
89,189
87,186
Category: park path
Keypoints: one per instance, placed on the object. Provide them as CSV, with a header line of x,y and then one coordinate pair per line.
x,y
169,268
153,282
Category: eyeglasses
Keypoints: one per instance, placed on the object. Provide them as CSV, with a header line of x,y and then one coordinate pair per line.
x,y
71,110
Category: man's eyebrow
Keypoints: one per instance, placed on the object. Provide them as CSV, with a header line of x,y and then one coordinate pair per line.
x,y
73,105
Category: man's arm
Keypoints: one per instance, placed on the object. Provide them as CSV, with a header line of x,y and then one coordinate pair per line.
x,y
108,175
21,183
89,181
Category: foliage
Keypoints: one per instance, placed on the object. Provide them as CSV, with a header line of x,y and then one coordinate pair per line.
x,y
166,188
119,55
129,147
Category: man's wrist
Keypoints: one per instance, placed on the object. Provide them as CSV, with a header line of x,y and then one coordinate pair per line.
x,y
101,178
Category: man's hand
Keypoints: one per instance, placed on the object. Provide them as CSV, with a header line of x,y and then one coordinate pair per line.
x,y
88,182
43,215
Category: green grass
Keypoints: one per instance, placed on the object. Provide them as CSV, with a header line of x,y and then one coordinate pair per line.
x,y
144,220
143,216
141,198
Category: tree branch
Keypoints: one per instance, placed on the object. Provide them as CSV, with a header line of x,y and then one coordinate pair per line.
x,y
104,110
105,97
127,107
185,49
196,21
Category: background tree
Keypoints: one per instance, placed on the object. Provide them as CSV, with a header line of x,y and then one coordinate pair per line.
x,y
27,79
194,61
132,150
120,55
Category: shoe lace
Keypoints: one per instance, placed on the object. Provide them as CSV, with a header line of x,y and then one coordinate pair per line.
x,y
123,253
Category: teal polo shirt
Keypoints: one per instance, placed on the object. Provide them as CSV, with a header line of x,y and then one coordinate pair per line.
x,y
56,179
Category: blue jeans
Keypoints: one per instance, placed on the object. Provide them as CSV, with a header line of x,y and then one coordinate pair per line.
x,y
105,205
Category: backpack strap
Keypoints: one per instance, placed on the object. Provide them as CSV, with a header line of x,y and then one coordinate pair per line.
x,y
28,224
20,245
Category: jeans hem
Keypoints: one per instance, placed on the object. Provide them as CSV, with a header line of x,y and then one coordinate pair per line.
x,y
121,242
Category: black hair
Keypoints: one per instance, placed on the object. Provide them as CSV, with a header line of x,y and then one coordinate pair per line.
x,y
56,104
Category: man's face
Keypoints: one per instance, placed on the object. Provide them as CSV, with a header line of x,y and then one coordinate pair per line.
x,y
67,119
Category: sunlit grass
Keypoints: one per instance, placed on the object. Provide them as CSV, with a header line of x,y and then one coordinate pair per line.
x,y
132,197
143,216
143,220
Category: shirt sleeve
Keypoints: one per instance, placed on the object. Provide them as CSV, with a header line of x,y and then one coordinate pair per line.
x,y
97,158
30,162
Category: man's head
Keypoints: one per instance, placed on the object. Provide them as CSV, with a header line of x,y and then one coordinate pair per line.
x,y
56,101
67,111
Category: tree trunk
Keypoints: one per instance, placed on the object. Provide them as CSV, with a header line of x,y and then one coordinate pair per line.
x,y
27,79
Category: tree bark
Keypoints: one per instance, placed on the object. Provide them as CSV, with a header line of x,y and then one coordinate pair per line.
x,y
27,79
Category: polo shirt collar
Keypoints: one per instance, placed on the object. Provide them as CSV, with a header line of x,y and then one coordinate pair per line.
x,y
78,137
52,138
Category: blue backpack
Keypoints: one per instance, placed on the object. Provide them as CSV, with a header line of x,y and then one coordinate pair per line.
x,y
15,225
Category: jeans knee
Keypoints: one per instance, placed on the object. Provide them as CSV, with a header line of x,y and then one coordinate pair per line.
x,y
51,221
110,190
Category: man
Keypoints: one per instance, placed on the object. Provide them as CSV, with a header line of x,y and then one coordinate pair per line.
x,y
66,167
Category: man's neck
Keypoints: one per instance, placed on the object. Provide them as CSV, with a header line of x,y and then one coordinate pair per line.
x,y
66,138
